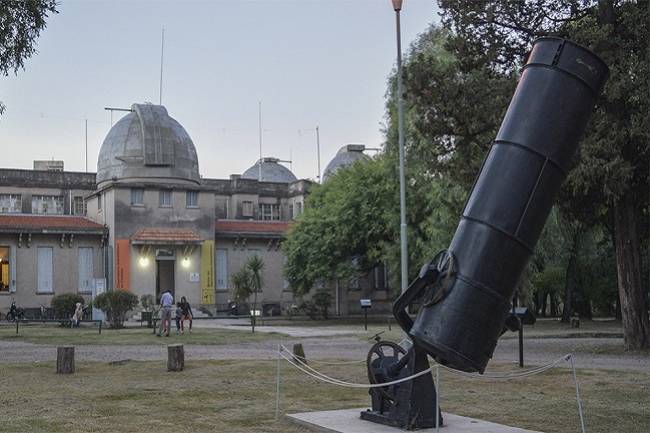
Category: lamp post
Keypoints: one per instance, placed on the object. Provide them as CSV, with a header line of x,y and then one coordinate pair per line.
x,y
397,6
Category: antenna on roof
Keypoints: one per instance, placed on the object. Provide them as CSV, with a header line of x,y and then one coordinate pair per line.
x,y
260,127
111,109
162,51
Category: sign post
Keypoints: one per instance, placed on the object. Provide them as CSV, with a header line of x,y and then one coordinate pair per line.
x,y
365,305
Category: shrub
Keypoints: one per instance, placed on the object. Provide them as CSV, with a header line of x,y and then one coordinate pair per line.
x,y
310,309
148,303
322,300
115,304
65,304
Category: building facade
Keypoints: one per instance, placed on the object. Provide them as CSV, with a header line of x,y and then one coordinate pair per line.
x,y
148,222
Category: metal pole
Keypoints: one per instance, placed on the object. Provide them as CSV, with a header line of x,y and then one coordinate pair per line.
x,y
400,134
575,381
318,151
86,121
162,50
259,178
437,398
277,386
365,319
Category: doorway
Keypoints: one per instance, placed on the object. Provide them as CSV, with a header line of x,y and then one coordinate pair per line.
x,y
164,277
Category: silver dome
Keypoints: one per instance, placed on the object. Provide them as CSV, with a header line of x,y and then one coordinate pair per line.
x,y
271,172
145,144
346,156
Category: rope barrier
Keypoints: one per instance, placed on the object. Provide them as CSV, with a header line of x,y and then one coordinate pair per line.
x,y
298,363
316,361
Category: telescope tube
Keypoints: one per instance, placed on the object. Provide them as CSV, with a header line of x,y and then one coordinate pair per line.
x,y
510,202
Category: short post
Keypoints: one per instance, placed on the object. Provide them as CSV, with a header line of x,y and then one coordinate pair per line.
x,y
65,360
521,343
16,326
365,319
299,353
175,357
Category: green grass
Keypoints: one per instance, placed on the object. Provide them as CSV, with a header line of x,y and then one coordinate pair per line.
x,y
56,335
239,396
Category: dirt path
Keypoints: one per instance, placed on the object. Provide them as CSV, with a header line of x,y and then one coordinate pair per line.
x,y
536,351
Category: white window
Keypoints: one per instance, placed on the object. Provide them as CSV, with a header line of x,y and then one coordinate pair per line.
x,y
47,204
11,203
85,269
291,215
269,212
247,208
137,196
99,202
222,268
79,206
192,199
165,198
44,270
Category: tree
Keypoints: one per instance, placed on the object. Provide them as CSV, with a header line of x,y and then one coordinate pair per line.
x,y
21,22
247,282
613,164
344,219
116,304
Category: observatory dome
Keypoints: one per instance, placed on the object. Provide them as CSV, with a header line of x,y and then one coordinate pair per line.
x,y
272,171
346,156
147,144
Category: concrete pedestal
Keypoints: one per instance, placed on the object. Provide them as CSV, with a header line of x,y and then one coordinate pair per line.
x,y
348,421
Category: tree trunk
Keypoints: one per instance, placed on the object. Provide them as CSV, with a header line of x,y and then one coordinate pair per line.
x,y
65,360
636,327
569,280
553,301
175,357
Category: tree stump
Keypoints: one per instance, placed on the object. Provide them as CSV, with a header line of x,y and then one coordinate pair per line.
x,y
575,322
175,357
65,360
299,353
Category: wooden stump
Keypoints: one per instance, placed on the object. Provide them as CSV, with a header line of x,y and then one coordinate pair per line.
x,y
575,322
175,357
299,352
65,360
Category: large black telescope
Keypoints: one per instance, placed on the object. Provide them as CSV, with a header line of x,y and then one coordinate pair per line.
x,y
509,204
466,290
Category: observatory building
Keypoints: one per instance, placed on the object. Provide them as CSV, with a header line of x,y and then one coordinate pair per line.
x,y
147,222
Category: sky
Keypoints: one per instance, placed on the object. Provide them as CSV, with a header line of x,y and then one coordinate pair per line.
x,y
311,63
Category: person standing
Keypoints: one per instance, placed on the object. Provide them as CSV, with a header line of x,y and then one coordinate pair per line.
x,y
166,303
77,316
186,314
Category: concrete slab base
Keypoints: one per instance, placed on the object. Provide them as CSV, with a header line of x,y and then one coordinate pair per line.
x,y
348,421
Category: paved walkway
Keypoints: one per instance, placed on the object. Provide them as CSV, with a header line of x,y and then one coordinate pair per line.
x,y
536,351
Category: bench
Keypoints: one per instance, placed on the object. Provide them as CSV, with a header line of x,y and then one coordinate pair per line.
x,y
61,321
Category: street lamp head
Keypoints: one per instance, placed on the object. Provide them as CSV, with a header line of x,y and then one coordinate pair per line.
x,y
397,5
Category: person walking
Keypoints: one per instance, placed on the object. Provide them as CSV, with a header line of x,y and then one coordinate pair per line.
x,y
166,303
186,314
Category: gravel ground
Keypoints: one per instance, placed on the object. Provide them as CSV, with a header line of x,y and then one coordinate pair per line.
x,y
536,351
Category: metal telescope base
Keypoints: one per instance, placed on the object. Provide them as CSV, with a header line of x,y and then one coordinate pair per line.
x,y
412,404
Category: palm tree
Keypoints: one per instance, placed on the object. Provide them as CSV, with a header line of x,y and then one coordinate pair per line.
x,y
248,281
255,266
